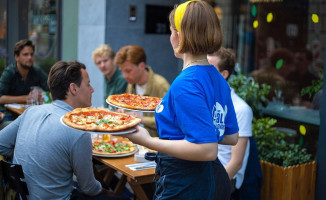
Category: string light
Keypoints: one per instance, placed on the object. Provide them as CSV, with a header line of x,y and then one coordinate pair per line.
x,y
302,129
254,11
255,24
279,64
269,17
315,18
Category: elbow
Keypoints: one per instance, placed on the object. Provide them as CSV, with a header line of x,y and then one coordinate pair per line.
x,y
210,156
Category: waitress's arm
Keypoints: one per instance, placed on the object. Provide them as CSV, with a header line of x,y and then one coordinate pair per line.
x,y
230,139
178,148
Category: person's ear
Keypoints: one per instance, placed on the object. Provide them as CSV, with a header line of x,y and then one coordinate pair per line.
x,y
73,89
142,65
16,57
225,74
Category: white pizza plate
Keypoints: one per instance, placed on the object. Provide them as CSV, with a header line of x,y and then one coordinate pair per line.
x,y
144,111
129,130
116,156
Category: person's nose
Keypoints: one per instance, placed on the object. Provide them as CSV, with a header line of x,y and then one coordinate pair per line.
x,y
102,64
92,89
125,75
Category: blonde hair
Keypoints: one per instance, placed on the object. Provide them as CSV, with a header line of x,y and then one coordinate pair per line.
x,y
103,50
200,29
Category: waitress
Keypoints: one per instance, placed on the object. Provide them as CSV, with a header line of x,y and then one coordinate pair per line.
x,y
196,113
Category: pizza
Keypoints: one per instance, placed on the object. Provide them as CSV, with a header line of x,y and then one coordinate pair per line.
x,y
133,101
92,119
116,145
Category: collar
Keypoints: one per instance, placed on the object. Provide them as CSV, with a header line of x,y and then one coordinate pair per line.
x,y
63,105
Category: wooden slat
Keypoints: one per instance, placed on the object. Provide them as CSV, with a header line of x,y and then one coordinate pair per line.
x,y
283,183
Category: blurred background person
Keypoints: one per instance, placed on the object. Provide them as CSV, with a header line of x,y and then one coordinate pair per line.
x,y
17,79
275,73
141,79
235,158
302,76
103,57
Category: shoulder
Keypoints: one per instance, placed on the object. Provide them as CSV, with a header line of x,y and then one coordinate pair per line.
x,y
160,79
10,69
239,104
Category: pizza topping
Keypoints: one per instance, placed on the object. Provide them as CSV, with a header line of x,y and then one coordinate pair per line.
x,y
116,145
90,119
111,147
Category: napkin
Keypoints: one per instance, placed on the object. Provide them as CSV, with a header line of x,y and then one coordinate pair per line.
x,y
15,105
141,166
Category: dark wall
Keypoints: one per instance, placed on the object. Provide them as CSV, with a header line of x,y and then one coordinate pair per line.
x,y
120,31
321,158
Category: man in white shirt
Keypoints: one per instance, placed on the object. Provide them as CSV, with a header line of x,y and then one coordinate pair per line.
x,y
234,158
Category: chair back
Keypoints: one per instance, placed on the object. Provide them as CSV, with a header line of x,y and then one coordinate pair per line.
x,y
14,176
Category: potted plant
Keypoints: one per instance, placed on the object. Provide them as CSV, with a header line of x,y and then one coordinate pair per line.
x,y
251,92
287,169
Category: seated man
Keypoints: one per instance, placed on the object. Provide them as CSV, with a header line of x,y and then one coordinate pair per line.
x,y
234,158
141,79
103,57
17,79
51,153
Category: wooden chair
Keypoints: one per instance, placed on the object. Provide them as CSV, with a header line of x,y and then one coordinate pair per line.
x,y
14,177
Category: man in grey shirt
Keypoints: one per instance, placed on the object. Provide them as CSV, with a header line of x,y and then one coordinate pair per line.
x,y
49,151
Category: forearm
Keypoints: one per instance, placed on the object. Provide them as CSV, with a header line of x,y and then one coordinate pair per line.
x,y
12,99
230,139
237,155
232,168
184,150
178,148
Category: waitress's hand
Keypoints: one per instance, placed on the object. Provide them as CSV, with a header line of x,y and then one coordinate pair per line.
x,y
141,136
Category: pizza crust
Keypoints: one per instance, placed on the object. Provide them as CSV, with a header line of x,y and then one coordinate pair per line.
x,y
150,102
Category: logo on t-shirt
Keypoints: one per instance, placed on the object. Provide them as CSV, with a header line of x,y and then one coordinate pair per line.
x,y
159,108
218,114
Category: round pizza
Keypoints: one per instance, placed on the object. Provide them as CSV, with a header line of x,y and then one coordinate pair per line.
x,y
92,119
133,101
114,146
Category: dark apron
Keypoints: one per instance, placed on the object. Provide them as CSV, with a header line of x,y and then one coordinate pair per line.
x,y
182,179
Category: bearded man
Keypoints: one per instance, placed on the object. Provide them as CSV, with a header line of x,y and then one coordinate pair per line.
x,y
17,79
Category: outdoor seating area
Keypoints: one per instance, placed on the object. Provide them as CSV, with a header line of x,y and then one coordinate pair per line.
x,y
140,100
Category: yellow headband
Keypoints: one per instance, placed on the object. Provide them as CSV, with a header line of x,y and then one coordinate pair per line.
x,y
179,12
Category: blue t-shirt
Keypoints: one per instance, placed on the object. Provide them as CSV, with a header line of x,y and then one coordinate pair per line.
x,y
197,107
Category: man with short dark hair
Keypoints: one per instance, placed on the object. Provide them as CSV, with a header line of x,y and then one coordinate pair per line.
x,y
17,79
49,151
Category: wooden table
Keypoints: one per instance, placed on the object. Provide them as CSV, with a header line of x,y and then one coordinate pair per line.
x,y
134,178
16,111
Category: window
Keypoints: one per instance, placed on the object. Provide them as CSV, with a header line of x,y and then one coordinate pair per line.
x,y
42,30
3,35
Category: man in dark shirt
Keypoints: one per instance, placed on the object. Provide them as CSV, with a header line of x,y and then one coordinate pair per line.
x,y
17,79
